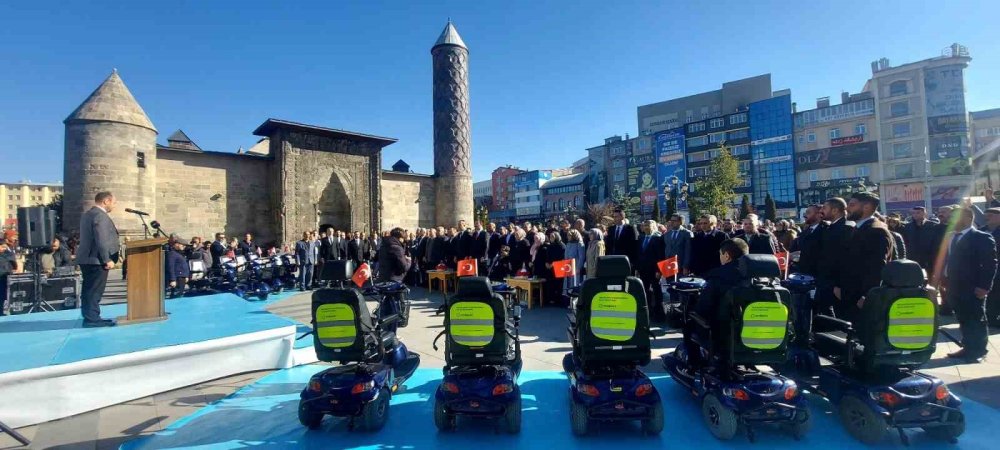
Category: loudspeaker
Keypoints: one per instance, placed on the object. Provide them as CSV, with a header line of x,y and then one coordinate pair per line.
x,y
337,270
36,226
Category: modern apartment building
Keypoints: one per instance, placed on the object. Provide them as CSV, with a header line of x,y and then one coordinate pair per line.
x,y
24,194
986,149
675,113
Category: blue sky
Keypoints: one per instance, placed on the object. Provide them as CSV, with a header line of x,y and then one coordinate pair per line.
x,y
548,79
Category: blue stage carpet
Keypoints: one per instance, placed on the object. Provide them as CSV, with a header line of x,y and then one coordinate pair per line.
x,y
264,415
43,339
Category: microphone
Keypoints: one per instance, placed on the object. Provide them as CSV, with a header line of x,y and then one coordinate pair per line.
x,y
136,211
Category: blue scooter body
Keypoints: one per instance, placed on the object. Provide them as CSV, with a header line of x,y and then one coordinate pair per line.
x,y
621,393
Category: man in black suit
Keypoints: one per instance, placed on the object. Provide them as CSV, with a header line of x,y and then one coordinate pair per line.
x,y
479,247
355,248
495,241
969,271
832,265
248,246
622,238
870,249
450,247
677,242
758,240
809,243
922,238
993,300
705,245
218,250
97,254
651,252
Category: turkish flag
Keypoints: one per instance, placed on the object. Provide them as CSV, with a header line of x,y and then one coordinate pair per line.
x,y
361,275
668,267
565,268
782,261
468,268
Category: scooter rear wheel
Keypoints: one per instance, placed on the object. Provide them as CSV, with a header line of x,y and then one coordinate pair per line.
x,y
512,416
721,421
654,424
376,412
308,418
578,418
861,422
442,420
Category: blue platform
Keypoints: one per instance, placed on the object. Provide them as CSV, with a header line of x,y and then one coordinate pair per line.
x,y
264,415
44,339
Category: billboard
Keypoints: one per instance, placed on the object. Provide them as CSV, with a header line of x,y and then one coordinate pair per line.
x,y
670,162
945,195
899,197
847,140
846,155
945,91
947,124
641,176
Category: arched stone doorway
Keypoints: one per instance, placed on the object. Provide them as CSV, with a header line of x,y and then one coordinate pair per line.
x,y
334,203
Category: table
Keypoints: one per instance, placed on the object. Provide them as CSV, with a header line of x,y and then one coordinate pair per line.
x,y
443,276
529,285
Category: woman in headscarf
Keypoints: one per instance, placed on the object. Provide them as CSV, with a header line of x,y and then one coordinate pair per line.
x,y
538,255
594,250
520,252
575,251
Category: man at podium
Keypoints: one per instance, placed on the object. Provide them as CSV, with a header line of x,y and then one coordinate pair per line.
x,y
97,254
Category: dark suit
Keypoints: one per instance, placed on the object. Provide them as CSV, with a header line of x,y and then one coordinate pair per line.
x,y
971,264
832,265
439,251
218,250
520,255
869,250
717,283
622,240
762,243
479,245
899,246
493,245
355,248
705,251
678,243
650,253
809,244
247,248
99,245
993,300
922,243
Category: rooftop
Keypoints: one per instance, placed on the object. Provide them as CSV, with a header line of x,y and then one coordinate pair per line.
x,y
269,125
111,102
985,114
568,180
450,37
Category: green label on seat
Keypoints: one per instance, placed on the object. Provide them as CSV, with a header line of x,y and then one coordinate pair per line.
x,y
764,325
471,324
335,325
911,323
613,316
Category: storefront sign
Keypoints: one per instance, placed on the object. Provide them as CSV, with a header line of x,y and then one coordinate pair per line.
x,y
847,140
841,182
774,159
846,155
670,162
771,140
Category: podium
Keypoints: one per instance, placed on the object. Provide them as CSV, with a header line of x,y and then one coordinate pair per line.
x,y
144,290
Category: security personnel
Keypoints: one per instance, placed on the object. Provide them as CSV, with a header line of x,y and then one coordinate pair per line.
x,y
968,272
176,266
8,265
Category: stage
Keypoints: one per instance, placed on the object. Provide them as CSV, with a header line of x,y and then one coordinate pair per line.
x,y
51,367
264,415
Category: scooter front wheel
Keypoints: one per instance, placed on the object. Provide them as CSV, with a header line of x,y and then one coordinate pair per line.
x,y
308,418
861,422
442,420
376,412
512,416
721,421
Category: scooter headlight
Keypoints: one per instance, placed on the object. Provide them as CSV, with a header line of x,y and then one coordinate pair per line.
x,y
315,385
738,394
942,394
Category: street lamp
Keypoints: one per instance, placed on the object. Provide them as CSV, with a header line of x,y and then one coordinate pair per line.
x,y
673,187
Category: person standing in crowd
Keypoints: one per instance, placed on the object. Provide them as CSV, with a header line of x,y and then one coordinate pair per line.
x,y
176,267
453,248
651,250
677,242
479,249
529,232
728,228
832,266
511,236
993,300
758,240
373,247
500,265
326,236
248,246
554,250
97,254
921,236
869,250
784,234
334,246
196,251
705,245
564,230
622,238
537,252
431,250
305,256
576,251
355,249
494,241
809,243
970,268
8,265
595,249
895,226
580,226
440,252
419,254
461,242
233,248
60,254
218,250
520,253
393,262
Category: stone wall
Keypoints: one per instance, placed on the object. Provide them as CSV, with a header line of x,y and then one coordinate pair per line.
x,y
102,156
199,194
407,200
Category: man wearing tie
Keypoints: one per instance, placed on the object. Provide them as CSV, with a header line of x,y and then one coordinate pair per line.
x,y
969,270
622,239
677,242
809,242
218,250
96,255
495,241
354,249
651,252
868,251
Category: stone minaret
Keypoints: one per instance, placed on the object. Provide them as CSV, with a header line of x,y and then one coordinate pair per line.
x,y
452,130
110,146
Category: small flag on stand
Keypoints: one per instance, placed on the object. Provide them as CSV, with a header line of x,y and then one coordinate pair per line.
x,y
668,267
782,263
564,268
468,267
361,275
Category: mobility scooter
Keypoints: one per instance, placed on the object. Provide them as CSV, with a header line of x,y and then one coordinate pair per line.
x,y
717,362
870,365
609,332
373,362
482,359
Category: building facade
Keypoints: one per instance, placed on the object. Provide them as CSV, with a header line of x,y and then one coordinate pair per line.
x,y
925,145
986,149
503,194
836,148
528,194
563,197
702,143
482,193
24,194
618,150
675,113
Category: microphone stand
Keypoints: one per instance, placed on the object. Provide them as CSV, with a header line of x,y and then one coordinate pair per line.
x,y
145,227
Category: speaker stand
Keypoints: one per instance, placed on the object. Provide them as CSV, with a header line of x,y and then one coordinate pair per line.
x,y
39,302
14,434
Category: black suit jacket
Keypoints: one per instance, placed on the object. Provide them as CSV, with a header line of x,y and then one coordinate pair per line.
x,y
218,251
355,248
869,250
809,244
479,244
922,243
493,247
624,243
650,252
834,243
705,251
717,283
972,262
762,243
439,251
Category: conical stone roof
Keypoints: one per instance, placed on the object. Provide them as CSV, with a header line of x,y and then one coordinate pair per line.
x,y
111,102
450,37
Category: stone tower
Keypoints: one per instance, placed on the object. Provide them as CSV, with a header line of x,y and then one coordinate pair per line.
x,y
452,130
110,146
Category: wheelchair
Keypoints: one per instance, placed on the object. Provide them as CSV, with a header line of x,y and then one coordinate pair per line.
x,y
374,364
482,359
750,329
870,366
609,332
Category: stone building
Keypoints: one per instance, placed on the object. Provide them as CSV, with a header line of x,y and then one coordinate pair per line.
x,y
297,177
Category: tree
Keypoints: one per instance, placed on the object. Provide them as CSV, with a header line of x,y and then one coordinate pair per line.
x,y
628,204
598,213
770,208
745,208
715,193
